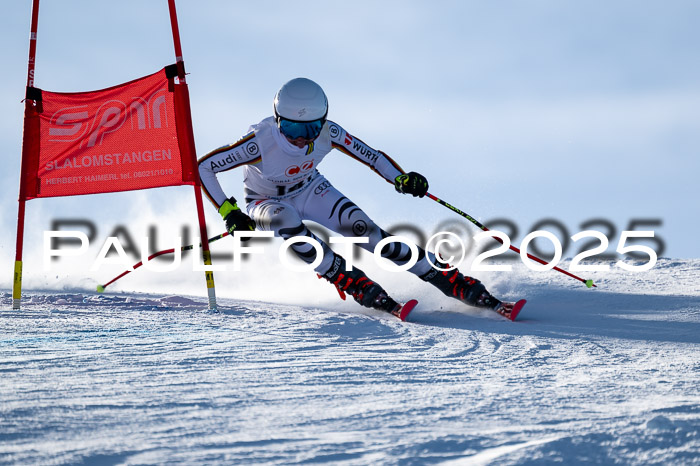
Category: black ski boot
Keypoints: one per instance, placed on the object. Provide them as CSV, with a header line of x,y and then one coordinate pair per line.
x,y
466,289
355,283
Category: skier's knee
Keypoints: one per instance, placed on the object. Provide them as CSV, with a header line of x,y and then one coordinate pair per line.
x,y
280,217
358,225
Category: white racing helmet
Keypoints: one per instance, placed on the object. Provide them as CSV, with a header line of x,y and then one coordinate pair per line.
x,y
301,99
301,108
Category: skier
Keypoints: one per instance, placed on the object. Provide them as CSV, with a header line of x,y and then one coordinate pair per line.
x,y
283,187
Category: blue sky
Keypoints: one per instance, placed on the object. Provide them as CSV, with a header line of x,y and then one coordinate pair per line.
x,y
524,110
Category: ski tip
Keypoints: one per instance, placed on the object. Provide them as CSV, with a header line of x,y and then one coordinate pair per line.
x,y
589,283
517,307
407,308
100,288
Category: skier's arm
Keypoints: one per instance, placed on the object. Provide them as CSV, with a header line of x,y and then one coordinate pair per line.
x,y
377,160
223,159
407,183
243,152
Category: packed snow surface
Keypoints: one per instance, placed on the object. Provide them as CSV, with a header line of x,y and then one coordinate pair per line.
x,y
609,375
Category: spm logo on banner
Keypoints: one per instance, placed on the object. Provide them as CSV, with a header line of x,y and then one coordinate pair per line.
x,y
76,123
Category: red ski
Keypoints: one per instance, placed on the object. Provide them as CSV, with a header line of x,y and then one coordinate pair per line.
x,y
405,309
510,310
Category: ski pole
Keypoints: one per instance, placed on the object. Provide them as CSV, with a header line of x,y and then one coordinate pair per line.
x,y
101,288
588,283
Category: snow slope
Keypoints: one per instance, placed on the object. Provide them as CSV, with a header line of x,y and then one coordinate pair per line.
x,y
586,376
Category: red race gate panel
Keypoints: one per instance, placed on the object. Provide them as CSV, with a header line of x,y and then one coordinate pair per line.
x,y
127,137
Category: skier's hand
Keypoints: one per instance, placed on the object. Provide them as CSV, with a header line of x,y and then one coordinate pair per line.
x,y
411,183
235,219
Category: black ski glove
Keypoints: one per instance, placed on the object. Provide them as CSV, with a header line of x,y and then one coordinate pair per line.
x,y
235,219
411,183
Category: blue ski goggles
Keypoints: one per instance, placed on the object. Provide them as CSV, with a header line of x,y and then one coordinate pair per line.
x,y
301,129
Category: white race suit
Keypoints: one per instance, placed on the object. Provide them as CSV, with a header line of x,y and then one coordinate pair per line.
x,y
283,187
